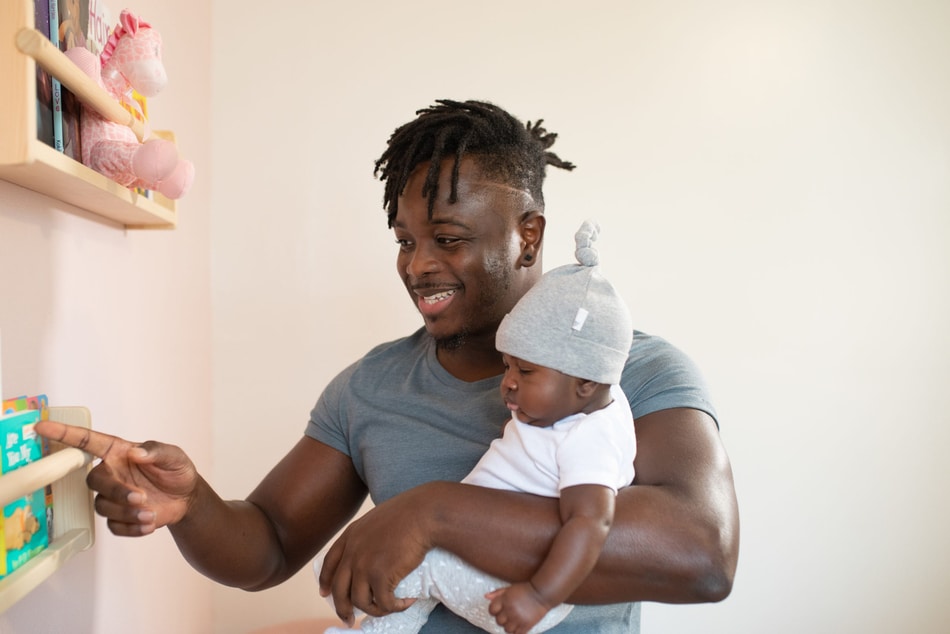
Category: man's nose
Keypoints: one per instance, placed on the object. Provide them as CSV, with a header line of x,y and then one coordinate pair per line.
x,y
423,261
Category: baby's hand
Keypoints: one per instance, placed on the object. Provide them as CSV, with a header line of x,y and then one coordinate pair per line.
x,y
517,608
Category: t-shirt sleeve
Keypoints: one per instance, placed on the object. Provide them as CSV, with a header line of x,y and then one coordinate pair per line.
x,y
660,376
590,458
600,449
327,421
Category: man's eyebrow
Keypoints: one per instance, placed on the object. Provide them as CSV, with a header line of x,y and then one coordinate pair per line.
x,y
436,220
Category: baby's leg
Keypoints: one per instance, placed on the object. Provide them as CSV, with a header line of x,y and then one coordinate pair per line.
x,y
443,577
462,588
410,620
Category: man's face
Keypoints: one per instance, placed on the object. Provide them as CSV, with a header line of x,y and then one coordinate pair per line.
x,y
461,267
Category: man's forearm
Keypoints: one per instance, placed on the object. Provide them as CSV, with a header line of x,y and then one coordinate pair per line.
x,y
227,541
657,550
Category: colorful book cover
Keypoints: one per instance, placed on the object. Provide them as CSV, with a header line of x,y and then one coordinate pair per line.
x,y
44,83
19,403
73,24
100,26
11,405
24,530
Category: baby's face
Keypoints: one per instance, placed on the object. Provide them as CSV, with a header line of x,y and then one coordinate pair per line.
x,y
539,395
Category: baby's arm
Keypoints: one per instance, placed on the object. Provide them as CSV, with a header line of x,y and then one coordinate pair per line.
x,y
587,511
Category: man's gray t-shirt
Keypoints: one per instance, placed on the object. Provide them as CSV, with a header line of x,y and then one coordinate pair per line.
x,y
404,420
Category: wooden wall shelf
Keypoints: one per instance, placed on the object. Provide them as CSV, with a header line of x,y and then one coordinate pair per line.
x,y
73,527
30,163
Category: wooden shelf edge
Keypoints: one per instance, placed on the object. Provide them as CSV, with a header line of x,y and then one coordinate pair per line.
x,y
74,528
59,177
34,572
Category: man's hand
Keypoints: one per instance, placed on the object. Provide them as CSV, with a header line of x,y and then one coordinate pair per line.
x,y
516,608
140,486
374,553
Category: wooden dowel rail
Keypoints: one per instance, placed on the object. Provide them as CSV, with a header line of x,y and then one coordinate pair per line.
x,y
39,47
36,475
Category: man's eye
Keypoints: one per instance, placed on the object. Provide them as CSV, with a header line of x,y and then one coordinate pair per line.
x,y
447,241
403,244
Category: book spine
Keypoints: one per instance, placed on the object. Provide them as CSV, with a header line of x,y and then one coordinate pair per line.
x,y
57,87
44,85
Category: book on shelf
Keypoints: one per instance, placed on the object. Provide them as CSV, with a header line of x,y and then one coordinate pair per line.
x,y
100,25
73,21
56,88
40,402
25,522
44,82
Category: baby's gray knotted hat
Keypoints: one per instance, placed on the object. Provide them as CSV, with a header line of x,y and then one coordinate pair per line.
x,y
572,320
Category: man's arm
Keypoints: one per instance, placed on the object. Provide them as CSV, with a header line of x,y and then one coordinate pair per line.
x,y
262,541
251,544
675,535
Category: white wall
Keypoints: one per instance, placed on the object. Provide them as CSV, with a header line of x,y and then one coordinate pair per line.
x,y
120,322
772,179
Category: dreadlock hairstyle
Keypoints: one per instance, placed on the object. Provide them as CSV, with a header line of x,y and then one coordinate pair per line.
x,y
503,148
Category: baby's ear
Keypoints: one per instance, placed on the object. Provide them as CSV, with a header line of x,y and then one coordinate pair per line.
x,y
586,388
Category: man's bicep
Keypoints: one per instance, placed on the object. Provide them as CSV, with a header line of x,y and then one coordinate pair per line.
x,y
680,448
675,532
684,487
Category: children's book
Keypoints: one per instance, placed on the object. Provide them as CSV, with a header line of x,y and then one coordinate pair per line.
x,y
24,530
73,23
100,26
44,82
52,8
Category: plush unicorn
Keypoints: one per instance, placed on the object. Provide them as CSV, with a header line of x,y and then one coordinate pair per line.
x,y
131,59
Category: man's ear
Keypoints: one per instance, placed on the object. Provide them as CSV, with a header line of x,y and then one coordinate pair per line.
x,y
532,236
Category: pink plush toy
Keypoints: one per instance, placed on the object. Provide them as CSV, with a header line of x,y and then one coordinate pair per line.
x,y
132,59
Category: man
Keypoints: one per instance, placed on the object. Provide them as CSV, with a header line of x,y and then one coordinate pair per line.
x,y
407,421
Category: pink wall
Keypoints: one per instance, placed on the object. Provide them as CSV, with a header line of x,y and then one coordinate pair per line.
x,y
120,322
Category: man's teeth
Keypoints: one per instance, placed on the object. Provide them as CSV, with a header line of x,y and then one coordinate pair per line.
x,y
438,297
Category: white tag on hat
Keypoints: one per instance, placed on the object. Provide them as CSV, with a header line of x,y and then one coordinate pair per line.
x,y
579,319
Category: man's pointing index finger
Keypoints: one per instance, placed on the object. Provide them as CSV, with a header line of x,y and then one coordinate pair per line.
x,y
93,442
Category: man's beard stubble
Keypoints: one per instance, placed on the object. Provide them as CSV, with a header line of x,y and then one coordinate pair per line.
x,y
498,270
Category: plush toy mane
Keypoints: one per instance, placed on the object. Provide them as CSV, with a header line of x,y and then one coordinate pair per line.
x,y
117,34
